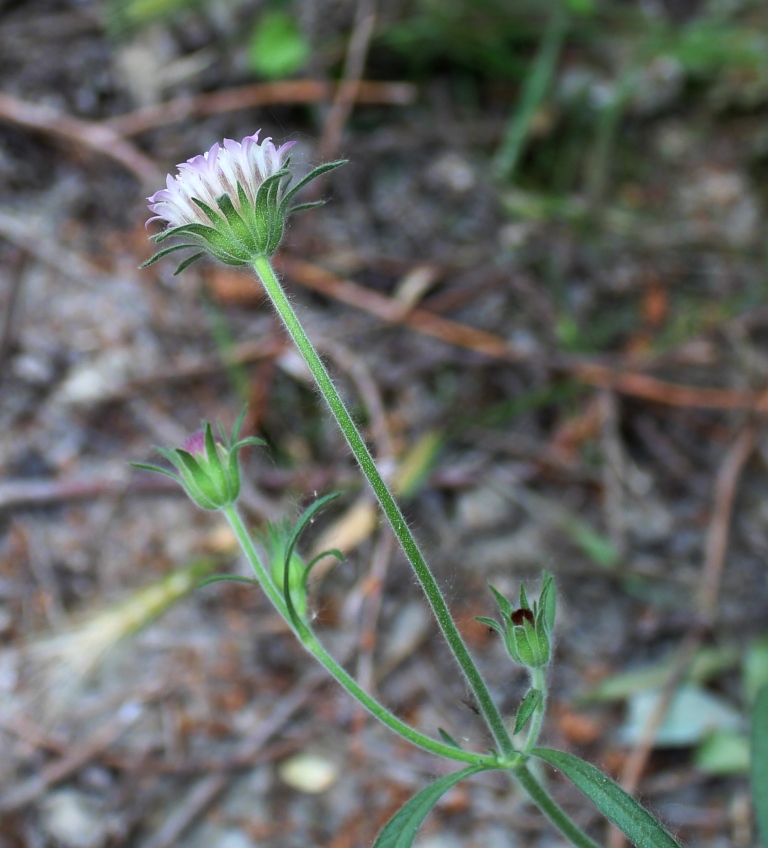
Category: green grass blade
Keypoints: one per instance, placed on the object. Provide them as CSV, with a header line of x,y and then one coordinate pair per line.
x,y
534,92
633,820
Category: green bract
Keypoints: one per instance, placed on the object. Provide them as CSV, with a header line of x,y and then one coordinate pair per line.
x,y
527,631
280,547
208,468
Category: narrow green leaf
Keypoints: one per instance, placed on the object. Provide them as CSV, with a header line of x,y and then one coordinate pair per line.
x,y
145,466
504,605
633,820
186,459
312,175
249,440
527,709
304,519
220,578
759,763
215,464
490,622
167,233
239,231
548,600
168,454
200,230
448,739
216,219
302,206
161,253
238,426
400,830
334,552
187,262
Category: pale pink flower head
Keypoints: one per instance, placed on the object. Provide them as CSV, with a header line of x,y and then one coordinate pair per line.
x,y
218,171
230,202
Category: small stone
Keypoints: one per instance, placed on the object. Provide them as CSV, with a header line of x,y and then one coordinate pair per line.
x,y
310,773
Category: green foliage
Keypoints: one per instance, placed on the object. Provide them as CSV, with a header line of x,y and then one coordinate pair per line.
x,y
534,91
722,753
277,47
400,831
483,37
634,821
126,15
708,45
527,709
287,569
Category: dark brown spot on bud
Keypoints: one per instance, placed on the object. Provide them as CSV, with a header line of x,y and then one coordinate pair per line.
x,y
520,616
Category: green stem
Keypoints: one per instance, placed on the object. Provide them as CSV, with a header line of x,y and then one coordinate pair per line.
x,y
538,681
551,810
311,643
392,511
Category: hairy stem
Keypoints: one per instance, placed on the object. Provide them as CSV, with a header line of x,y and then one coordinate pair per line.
x,y
312,644
538,681
386,500
551,810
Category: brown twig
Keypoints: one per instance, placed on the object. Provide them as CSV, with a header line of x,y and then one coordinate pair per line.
x,y
669,394
99,138
17,493
714,559
318,279
8,328
346,93
452,332
250,96
206,791
73,760
27,233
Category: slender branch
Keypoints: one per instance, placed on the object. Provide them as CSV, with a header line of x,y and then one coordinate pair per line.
x,y
312,644
392,511
551,809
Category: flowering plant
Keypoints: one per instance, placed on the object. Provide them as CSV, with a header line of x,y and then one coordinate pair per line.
x,y
232,203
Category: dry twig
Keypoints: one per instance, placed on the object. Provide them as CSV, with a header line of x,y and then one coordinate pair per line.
x,y
624,382
347,92
99,138
104,736
251,96
714,558
206,791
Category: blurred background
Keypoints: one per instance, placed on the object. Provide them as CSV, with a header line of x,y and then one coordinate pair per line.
x,y
540,282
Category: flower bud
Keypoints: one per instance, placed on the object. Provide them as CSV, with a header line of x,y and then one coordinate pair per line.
x,y
208,468
527,630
